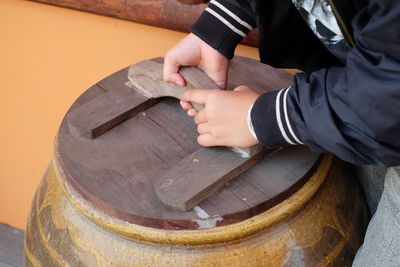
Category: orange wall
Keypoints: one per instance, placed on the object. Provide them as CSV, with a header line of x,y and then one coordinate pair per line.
x,y
48,57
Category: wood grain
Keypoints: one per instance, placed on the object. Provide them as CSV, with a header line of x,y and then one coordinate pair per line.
x,y
115,107
107,111
200,174
116,172
196,180
170,14
147,77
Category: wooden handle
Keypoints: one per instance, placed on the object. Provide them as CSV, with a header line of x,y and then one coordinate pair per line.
x,y
147,76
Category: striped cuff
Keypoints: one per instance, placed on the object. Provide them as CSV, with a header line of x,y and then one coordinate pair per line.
x,y
271,121
250,124
222,26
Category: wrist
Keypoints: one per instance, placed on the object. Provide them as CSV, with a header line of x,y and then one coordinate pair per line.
x,y
222,26
250,124
272,122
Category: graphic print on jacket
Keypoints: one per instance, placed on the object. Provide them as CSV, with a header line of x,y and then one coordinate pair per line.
x,y
320,18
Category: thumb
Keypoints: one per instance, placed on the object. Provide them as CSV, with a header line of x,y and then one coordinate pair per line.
x,y
198,96
175,78
217,72
219,78
171,72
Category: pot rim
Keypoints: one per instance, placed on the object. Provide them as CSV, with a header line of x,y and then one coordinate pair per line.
x,y
201,237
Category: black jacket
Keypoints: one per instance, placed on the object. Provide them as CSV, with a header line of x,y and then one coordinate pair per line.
x,y
350,107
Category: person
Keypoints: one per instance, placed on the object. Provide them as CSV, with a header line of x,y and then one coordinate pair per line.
x,y
347,100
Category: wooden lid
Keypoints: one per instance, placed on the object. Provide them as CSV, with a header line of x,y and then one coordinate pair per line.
x,y
115,172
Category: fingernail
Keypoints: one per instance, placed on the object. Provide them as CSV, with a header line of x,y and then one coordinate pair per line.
x,y
192,112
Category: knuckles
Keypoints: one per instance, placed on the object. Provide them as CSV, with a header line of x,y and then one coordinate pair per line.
x,y
213,95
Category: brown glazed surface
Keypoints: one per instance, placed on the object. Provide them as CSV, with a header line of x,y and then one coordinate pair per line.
x,y
327,231
117,170
170,14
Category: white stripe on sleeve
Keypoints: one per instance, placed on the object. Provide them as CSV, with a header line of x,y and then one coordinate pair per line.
x,y
230,13
289,126
278,118
250,124
227,23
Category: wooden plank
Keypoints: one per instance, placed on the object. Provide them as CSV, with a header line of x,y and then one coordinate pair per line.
x,y
91,93
11,246
116,81
147,76
244,190
174,121
277,177
203,181
116,172
170,14
107,111
200,174
116,164
273,176
260,77
176,118
119,104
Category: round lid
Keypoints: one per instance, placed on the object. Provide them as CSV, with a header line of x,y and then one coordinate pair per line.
x,y
116,171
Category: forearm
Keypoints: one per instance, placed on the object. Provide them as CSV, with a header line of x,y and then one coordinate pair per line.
x,y
351,111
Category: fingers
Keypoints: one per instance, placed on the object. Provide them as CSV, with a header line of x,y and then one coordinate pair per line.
x,y
198,96
207,137
186,105
176,78
218,76
203,128
200,117
214,64
189,108
192,112
171,71
206,140
220,81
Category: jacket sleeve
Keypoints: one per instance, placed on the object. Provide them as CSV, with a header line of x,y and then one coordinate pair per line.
x,y
223,24
351,111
